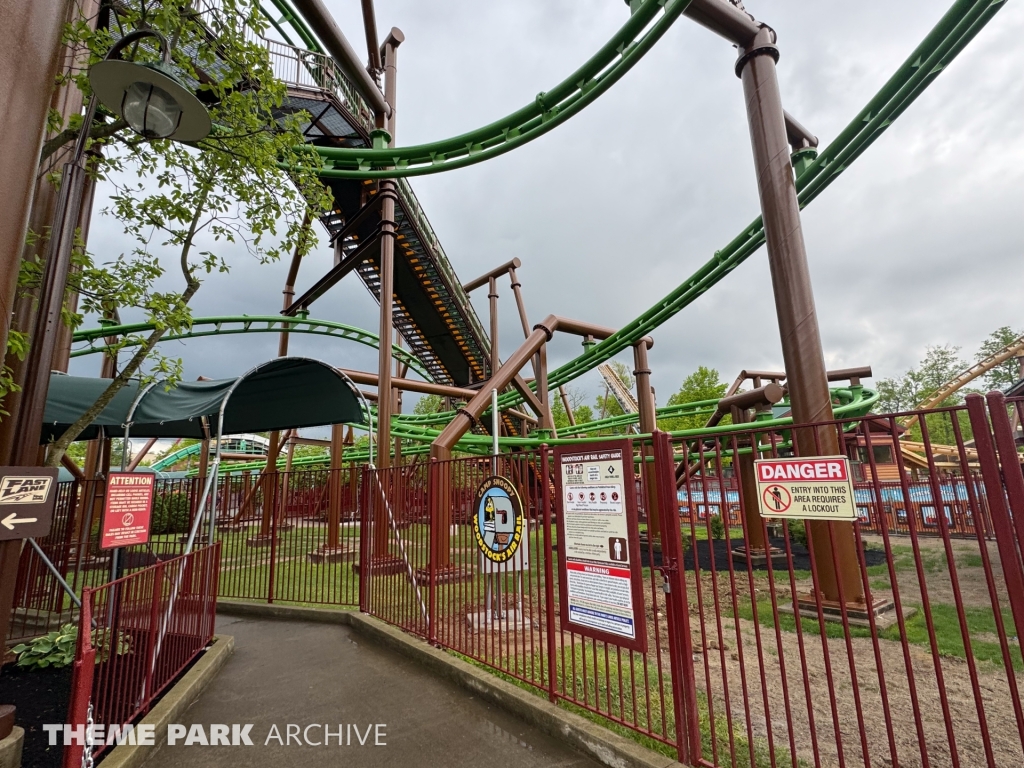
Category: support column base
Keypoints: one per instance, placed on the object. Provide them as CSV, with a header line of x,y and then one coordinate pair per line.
x,y
11,747
260,540
88,562
445,574
756,556
382,566
511,619
858,614
655,544
339,554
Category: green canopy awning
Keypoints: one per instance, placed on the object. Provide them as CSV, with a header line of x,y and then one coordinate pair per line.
x,y
286,393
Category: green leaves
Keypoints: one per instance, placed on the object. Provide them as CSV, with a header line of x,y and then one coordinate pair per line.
x,y
193,210
702,384
55,649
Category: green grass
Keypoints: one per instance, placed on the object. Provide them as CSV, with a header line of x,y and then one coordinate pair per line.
x,y
947,630
932,560
635,667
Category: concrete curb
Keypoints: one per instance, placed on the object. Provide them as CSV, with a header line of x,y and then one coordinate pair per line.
x,y
583,735
174,703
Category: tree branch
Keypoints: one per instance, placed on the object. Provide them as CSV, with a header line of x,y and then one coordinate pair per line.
x,y
101,131
60,446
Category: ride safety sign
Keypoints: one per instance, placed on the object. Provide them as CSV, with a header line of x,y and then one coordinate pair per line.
x,y
808,489
127,509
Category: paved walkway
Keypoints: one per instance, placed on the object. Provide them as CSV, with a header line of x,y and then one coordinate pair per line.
x,y
303,673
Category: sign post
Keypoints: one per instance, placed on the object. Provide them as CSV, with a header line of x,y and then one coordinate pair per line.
x,y
600,577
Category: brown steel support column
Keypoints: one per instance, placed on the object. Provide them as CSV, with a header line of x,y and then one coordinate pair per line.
x,y
518,293
388,193
492,303
336,486
648,425
267,483
29,60
755,542
370,28
546,422
794,298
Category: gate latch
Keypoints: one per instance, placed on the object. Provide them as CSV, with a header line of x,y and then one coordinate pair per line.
x,y
668,570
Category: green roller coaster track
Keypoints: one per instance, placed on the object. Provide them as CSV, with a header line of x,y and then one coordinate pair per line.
x,y
232,324
960,24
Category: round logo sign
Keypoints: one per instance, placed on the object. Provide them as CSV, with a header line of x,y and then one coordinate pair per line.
x,y
498,522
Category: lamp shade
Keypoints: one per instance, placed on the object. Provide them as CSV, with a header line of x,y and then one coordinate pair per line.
x,y
151,99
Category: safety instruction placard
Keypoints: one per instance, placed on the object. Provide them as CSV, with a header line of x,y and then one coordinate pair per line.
x,y
127,509
601,580
809,489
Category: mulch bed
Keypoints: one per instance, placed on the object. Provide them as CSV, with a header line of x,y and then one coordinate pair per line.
x,y
41,696
720,551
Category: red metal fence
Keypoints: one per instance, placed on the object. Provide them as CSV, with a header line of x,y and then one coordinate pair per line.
x,y
749,664
745,663
274,531
136,635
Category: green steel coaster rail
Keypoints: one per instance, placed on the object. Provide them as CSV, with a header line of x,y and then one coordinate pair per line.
x,y
952,33
233,324
853,402
549,110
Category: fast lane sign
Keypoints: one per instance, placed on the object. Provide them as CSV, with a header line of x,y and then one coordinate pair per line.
x,y
817,488
28,496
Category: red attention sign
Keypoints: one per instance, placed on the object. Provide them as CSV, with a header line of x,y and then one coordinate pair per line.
x,y
127,509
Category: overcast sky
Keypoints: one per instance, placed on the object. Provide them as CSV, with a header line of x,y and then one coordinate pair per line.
x,y
919,243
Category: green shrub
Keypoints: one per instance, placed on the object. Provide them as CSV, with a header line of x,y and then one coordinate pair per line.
x,y
170,514
54,649
57,649
797,532
717,527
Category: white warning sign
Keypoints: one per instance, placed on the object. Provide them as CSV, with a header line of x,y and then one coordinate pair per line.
x,y
808,489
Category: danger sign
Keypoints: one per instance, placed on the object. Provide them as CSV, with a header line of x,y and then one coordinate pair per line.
x,y
808,489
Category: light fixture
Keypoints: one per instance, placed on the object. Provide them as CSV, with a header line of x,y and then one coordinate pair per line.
x,y
151,99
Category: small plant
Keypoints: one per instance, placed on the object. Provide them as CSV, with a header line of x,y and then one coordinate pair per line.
x,y
56,650
170,514
717,527
798,532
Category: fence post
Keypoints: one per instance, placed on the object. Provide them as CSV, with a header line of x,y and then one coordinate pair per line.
x,y
549,573
364,540
432,532
998,512
81,681
273,481
214,592
158,575
1012,476
684,685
